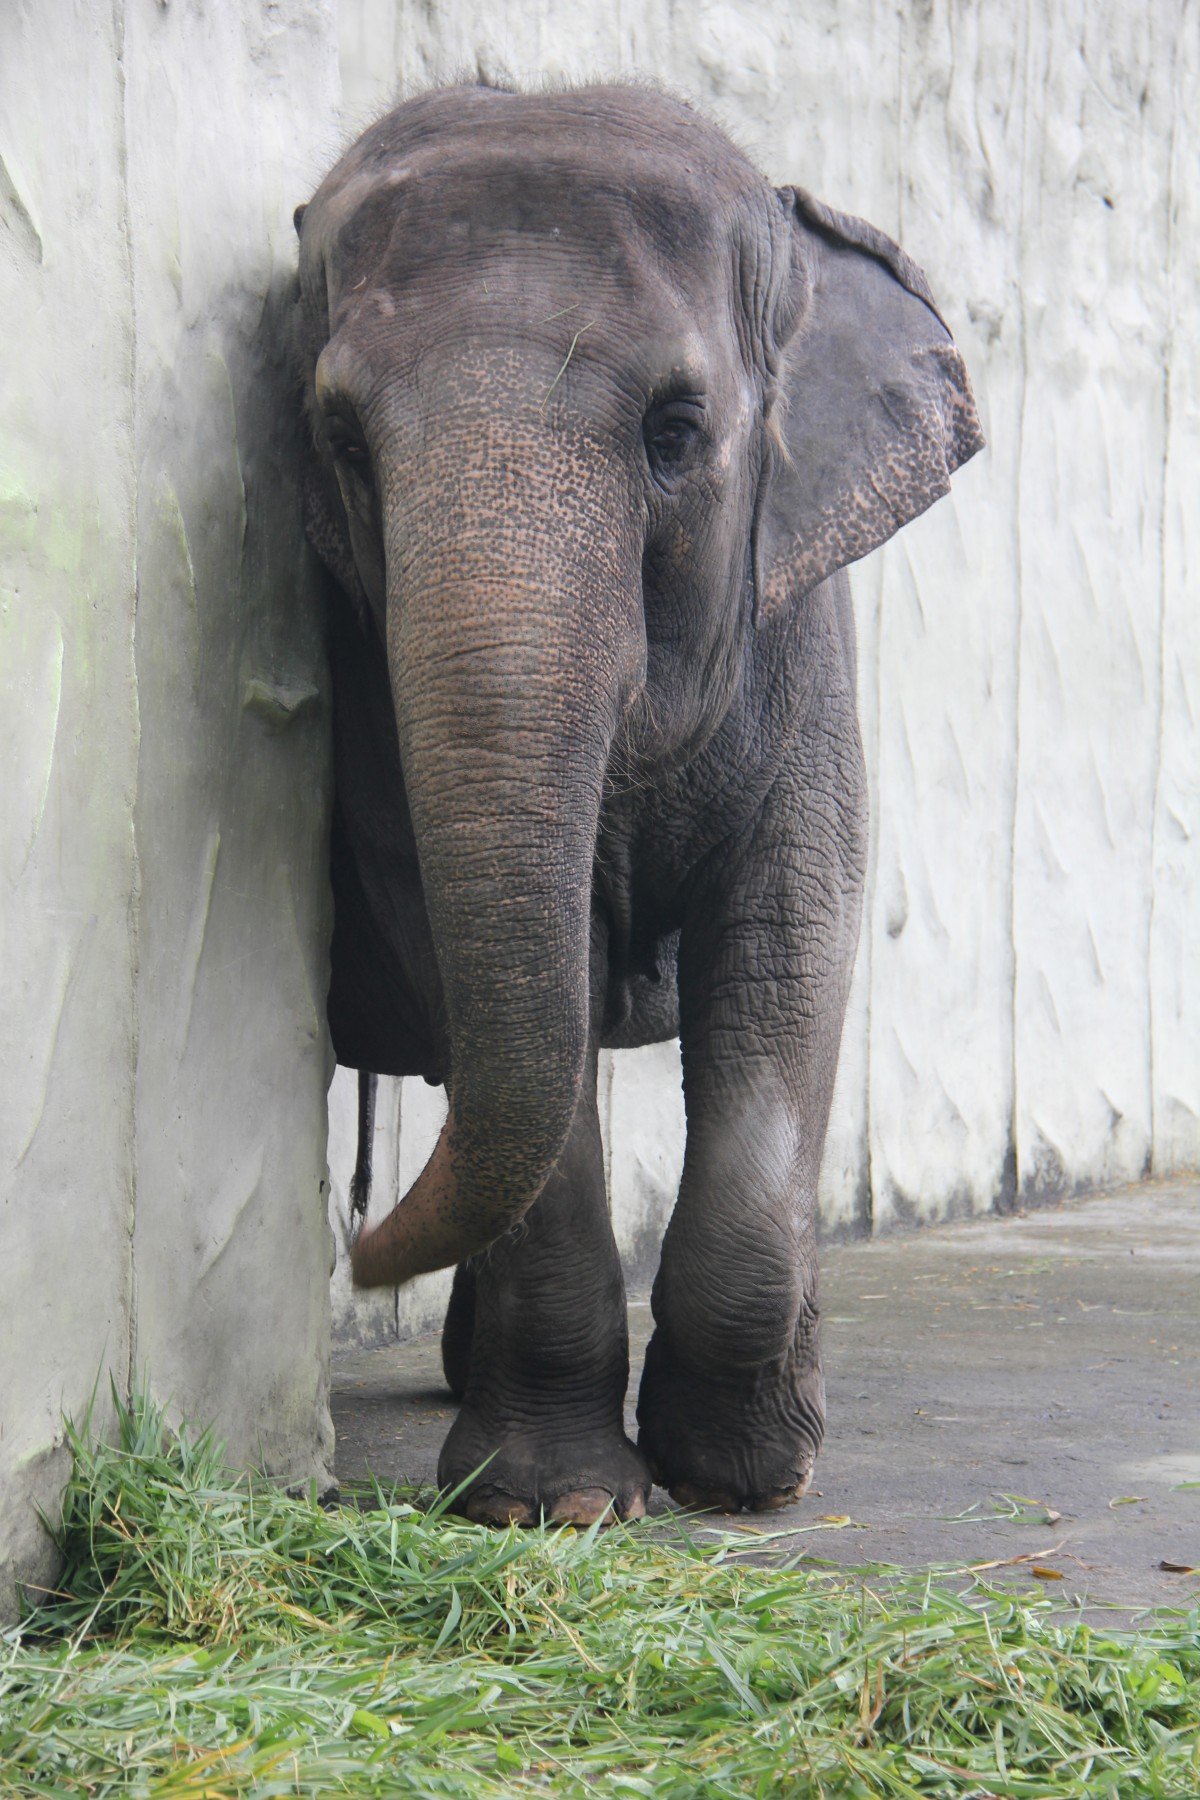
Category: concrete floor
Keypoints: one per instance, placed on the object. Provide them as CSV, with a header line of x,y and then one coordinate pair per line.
x,y
1024,1388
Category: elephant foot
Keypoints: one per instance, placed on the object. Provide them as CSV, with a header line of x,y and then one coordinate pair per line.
x,y
699,1499
568,1476
720,1445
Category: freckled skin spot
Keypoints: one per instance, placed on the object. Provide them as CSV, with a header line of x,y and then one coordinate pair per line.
x,y
591,439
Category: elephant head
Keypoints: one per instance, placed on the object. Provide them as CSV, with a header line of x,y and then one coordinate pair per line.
x,y
592,408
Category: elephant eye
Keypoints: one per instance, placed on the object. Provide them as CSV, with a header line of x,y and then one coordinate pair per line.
x,y
671,431
347,449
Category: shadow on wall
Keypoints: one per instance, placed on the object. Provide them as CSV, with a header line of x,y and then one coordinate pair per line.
x,y
232,899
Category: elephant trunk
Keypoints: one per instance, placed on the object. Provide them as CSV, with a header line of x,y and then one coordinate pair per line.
x,y
509,674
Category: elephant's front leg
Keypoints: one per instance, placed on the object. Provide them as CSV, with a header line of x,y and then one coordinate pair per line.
x,y
549,1361
731,1409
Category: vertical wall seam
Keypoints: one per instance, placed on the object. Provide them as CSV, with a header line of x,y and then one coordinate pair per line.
x,y
1019,612
135,894
1160,720
900,16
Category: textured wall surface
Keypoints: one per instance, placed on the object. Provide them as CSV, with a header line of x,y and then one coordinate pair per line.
x,y
68,726
231,1250
163,904
1024,1015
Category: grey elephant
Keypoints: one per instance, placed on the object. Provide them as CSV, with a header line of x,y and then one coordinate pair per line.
x,y
597,419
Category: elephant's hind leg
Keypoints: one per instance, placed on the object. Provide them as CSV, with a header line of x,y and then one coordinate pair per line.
x,y
541,1426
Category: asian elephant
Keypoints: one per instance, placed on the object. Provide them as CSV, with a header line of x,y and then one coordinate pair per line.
x,y
597,418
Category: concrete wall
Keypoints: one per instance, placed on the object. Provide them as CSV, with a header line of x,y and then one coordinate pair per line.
x,y
1025,1008
1024,1019
163,800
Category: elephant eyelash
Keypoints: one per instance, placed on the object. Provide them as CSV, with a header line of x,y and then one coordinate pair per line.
x,y
350,452
671,429
346,446
353,460
673,432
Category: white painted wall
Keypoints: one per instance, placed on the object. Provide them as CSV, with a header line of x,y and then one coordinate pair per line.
x,y
1025,1005
1026,1011
164,765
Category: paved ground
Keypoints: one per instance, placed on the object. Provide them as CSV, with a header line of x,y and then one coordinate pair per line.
x,y
1017,1388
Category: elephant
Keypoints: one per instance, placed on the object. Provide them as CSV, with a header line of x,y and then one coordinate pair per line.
x,y
595,418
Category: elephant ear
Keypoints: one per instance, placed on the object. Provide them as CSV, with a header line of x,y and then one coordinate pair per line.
x,y
326,530
872,410
324,515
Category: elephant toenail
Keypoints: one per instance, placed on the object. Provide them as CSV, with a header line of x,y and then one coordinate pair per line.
x,y
583,1506
697,1499
499,1509
635,1507
773,1502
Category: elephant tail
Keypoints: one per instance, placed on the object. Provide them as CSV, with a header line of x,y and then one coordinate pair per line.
x,y
360,1186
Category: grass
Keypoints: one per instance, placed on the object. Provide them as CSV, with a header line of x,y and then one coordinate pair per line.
x,y
214,1637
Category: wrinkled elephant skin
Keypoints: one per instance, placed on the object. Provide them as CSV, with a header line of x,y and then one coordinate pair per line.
x,y
597,418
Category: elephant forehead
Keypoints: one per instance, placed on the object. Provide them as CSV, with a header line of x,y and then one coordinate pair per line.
x,y
456,220
446,213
